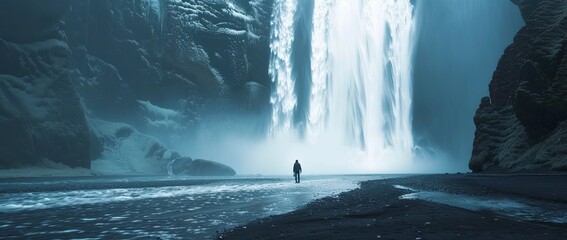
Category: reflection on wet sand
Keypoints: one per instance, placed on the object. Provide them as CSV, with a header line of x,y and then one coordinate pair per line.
x,y
523,209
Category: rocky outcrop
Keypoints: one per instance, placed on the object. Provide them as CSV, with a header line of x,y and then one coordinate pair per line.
x,y
188,56
41,118
522,125
158,65
200,167
124,150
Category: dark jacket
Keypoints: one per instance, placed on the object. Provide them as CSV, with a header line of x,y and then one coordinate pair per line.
x,y
296,167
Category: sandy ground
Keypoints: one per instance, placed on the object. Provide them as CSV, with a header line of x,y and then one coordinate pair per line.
x,y
375,211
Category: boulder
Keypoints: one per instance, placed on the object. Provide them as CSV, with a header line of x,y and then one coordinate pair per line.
x,y
178,165
200,167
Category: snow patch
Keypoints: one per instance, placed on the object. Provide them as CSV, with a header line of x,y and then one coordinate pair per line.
x,y
238,13
161,117
231,31
158,111
126,151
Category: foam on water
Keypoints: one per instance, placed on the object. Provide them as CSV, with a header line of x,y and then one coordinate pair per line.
x,y
168,212
43,200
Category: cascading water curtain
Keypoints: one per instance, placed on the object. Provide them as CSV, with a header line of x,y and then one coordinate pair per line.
x,y
400,21
283,98
319,102
361,55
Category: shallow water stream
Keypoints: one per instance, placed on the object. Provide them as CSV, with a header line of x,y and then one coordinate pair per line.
x,y
151,207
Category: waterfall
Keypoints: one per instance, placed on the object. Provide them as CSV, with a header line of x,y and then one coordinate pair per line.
x,y
318,104
360,96
400,24
283,98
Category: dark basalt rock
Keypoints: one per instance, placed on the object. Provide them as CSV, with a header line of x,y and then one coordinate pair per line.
x,y
181,165
178,165
31,20
526,7
255,94
522,125
40,114
200,167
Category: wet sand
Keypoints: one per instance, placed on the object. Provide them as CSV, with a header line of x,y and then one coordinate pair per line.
x,y
375,211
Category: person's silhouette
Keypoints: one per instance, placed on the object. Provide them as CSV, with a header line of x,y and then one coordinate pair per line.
x,y
296,170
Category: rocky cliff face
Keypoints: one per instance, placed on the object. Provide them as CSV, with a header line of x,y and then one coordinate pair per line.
x,y
523,125
40,114
159,65
188,56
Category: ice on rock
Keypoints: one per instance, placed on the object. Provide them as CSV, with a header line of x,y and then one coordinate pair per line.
x,y
211,16
127,151
161,117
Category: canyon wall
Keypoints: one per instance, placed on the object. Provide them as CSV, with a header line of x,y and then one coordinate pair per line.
x,y
523,124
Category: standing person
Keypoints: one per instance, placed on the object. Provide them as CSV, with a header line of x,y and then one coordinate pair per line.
x,y
296,170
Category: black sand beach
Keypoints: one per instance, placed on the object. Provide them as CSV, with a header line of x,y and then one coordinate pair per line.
x,y
375,211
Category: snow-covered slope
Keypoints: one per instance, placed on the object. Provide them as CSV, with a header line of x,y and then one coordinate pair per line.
x,y
127,151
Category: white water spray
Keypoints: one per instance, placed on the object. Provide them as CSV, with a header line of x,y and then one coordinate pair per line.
x,y
360,97
319,102
283,98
